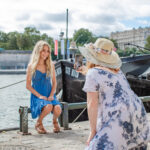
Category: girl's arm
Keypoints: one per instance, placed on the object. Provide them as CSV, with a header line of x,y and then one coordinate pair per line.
x,y
92,105
54,85
29,87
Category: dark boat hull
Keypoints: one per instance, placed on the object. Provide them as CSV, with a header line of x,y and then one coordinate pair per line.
x,y
71,82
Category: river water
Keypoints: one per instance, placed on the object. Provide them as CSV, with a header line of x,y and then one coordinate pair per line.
x,y
11,98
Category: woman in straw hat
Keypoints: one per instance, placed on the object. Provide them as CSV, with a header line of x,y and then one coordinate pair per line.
x,y
117,116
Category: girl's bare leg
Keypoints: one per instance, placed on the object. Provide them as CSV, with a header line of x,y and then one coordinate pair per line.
x,y
46,110
56,111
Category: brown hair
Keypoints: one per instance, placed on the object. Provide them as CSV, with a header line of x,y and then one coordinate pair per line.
x,y
91,65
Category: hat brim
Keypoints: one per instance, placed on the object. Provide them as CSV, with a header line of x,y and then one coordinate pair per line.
x,y
109,61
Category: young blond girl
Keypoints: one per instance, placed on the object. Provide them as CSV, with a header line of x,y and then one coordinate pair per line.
x,y
41,73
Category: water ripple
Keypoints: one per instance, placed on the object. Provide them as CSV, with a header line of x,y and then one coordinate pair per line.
x,y
10,100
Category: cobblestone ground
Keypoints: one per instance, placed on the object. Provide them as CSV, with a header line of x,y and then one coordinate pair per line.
x,y
65,140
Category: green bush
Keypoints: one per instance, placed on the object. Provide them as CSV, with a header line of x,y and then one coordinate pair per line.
x,y
131,51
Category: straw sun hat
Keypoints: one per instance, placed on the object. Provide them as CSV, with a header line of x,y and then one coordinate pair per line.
x,y
101,53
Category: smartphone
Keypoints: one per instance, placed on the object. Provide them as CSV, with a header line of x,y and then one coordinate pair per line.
x,y
78,61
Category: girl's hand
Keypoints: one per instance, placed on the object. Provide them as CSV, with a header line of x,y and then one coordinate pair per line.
x,y
91,135
50,98
43,97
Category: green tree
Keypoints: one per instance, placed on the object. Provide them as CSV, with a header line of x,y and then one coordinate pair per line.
x,y
115,43
33,34
48,39
4,45
24,42
3,37
12,40
147,45
31,31
131,51
83,36
3,40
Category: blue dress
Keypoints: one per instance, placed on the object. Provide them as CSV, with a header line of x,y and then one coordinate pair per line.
x,y
121,120
42,85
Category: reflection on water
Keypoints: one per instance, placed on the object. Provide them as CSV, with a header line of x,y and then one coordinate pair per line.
x,y
10,100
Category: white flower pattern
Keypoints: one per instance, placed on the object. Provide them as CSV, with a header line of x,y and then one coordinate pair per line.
x,y
122,122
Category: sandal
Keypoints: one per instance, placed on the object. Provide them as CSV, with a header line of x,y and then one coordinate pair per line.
x,y
39,128
56,127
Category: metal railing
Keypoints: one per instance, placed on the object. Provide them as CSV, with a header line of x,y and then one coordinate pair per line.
x,y
64,117
145,99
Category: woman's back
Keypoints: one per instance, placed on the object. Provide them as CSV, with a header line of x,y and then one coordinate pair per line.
x,y
113,87
119,107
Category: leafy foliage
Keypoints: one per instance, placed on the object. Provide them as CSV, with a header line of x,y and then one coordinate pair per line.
x,y
23,41
131,52
27,40
147,45
83,36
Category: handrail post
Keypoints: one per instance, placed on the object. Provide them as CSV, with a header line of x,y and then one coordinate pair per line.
x,y
64,121
60,118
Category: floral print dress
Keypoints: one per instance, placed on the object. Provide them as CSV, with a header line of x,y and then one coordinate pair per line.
x,y
121,122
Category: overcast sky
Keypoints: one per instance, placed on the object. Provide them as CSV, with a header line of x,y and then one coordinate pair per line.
x,y
49,16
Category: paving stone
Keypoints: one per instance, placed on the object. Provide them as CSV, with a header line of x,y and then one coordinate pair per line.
x,y
66,140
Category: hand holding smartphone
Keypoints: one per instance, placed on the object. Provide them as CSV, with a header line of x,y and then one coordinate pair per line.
x,y
78,61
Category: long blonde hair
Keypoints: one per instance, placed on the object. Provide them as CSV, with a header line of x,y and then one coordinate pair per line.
x,y
36,56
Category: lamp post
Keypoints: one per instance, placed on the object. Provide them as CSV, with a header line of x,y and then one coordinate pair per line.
x,y
66,33
61,38
73,48
61,35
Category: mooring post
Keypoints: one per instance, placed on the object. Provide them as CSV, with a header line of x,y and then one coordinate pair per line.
x,y
20,112
23,119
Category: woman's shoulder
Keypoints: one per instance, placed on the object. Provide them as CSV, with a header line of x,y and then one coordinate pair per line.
x,y
92,71
95,70
105,71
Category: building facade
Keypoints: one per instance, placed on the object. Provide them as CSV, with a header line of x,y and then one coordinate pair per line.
x,y
134,36
11,59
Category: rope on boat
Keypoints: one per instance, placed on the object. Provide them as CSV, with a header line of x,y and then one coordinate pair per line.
x,y
79,115
12,84
59,95
9,129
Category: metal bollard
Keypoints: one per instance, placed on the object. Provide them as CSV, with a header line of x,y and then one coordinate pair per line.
x,y
23,119
20,112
